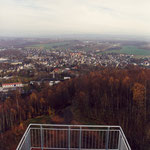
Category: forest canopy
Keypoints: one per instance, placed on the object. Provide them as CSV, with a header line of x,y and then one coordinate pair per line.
x,y
109,97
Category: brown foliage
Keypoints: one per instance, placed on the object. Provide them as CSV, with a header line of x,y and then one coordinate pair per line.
x,y
110,96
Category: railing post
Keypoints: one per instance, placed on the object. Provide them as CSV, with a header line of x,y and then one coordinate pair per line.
x,y
119,141
41,137
80,138
29,138
27,143
69,138
107,138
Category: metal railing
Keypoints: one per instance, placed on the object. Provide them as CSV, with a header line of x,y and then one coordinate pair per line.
x,y
72,137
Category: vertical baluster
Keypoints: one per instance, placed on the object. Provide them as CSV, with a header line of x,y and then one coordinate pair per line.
x,y
85,139
110,140
102,139
89,138
112,136
41,129
45,139
63,139
35,137
99,138
31,137
107,139
95,137
50,138
80,138
91,146
69,137
119,141
59,140
53,138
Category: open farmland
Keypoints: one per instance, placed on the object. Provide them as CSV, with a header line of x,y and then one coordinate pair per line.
x,y
48,46
131,50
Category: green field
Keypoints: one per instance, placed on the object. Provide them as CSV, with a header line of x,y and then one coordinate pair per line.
x,y
131,50
48,46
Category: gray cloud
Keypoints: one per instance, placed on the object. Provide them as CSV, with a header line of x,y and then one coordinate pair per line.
x,y
74,16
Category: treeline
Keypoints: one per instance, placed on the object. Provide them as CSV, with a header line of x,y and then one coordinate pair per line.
x,y
110,97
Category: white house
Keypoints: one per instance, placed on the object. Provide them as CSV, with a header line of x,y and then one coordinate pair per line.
x,y
12,85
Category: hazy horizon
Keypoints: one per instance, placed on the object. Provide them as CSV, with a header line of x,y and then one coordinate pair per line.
x,y
74,17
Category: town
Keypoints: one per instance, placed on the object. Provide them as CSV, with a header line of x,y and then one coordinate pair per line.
x,y
24,67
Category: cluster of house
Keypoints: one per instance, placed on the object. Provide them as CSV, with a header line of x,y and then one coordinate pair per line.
x,y
52,81
10,86
13,86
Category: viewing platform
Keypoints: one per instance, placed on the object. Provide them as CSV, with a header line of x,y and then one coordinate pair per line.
x,y
73,137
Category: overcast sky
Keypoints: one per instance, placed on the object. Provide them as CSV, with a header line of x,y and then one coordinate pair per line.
x,y
45,17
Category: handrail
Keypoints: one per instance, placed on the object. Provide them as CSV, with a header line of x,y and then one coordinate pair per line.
x,y
125,138
64,125
23,138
